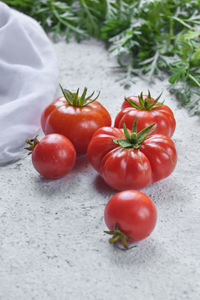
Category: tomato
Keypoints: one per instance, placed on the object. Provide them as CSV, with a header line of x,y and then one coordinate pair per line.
x,y
130,216
147,111
129,160
54,156
75,117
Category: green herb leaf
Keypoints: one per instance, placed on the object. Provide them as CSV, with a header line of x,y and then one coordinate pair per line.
x,y
148,37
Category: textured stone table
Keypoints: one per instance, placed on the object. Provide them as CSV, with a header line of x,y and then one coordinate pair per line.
x,y
51,232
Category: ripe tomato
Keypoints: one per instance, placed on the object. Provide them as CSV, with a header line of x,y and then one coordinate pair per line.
x,y
147,111
75,117
130,160
130,216
54,156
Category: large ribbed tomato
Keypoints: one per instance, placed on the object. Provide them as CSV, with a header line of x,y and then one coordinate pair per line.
x,y
75,117
130,160
147,111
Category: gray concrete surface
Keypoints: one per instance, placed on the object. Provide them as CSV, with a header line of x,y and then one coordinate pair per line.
x,y
52,244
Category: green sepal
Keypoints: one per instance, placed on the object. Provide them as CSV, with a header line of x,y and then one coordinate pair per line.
x,y
134,140
141,101
148,99
132,103
114,239
118,235
76,97
93,99
89,96
141,140
123,143
126,133
134,128
152,106
143,131
82,98
73,99
67,94
159,105
145,104
32,144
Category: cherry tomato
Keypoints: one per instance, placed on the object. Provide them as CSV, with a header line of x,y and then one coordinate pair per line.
x,y
130,160
75,117
130,216
54,156
147,111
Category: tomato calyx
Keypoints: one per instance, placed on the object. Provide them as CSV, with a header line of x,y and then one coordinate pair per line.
x,y
73,99
134,139
145,104
32,144
118,235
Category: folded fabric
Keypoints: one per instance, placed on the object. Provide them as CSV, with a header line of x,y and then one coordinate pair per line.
x,y
28,80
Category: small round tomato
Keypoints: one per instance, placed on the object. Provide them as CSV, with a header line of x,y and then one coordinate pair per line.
x,y
147,111
130,216
54,156
130,160
75,117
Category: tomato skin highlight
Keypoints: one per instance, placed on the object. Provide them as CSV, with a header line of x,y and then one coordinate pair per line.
x,y
129,168
125,168
161,153
54,156
133,212
76,123
162,116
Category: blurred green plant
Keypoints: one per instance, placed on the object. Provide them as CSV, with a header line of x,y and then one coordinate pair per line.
x,y
149,38
25,5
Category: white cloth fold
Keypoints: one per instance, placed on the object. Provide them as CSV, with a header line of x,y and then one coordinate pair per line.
x,y
28,80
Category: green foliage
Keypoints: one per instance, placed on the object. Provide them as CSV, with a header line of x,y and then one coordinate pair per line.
x,y
91,16
59,17
148,37
24,5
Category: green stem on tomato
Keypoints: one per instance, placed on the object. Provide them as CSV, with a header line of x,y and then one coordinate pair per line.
x,y
32,144
73,99
145,104
134,139
118,235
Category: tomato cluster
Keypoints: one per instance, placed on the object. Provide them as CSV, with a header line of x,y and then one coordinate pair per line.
x,y
130,160
134,153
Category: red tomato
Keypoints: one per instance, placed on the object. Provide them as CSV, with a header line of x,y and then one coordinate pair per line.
x,y
130,216
130,160
75,117
147,111
54,156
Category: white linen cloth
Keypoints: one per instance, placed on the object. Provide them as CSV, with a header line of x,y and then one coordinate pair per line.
x,y
28,80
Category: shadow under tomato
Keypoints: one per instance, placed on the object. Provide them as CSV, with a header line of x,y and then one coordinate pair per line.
x,y
166,190
52,187
82,163
140,253
102,187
